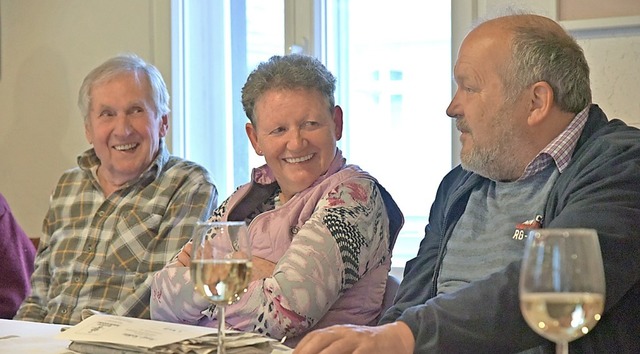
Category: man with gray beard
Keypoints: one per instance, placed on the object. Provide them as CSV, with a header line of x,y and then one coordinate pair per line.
x,y
536,153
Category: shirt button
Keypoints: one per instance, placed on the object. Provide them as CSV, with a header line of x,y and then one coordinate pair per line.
x,y
101,213
64,311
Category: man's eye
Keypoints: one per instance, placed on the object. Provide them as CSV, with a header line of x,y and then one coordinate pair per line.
x,y
135,110
106,114
277,131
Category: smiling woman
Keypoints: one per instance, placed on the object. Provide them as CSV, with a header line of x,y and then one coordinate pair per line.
x,y
320,229
296,132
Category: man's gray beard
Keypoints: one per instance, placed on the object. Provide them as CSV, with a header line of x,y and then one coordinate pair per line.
x,y
482,163
495,164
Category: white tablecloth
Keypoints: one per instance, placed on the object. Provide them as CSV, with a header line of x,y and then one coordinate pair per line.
x,y
31,337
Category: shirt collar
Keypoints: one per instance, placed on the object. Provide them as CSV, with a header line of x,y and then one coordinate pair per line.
x,y
560,149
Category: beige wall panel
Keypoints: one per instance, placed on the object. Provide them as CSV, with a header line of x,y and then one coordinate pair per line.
x,y
47,47
589,9
615,74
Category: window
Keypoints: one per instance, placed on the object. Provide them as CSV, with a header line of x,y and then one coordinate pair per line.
x,y
392,61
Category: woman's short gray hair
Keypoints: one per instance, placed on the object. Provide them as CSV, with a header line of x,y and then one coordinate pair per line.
x,y
288,72
125,63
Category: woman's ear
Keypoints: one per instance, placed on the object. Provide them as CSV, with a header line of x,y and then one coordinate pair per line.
x,y
337,119
253,137
542,102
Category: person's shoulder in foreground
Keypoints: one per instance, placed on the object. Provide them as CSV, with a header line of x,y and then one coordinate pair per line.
x,y
125,210
16,254
528,129
320,228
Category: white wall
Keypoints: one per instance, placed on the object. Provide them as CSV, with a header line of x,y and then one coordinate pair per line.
x,y
46,49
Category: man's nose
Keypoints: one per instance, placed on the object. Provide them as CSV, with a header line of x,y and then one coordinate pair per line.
x,y
123,124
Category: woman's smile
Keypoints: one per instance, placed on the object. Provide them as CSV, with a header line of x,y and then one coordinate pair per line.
x,y
299,159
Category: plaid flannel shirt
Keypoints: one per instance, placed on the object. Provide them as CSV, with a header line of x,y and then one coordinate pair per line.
x,y
101,253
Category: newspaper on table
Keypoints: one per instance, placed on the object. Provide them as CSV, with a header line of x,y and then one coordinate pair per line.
x,y
108,334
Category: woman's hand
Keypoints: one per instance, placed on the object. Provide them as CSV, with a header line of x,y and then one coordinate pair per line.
x,y
184,257
262,268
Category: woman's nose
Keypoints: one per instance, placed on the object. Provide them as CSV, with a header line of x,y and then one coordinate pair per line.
x,y
296,141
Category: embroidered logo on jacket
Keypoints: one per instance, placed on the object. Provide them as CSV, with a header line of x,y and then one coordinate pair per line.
x,y
523,228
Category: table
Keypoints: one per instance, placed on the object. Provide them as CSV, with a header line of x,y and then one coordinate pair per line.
x,y
34,337
31,337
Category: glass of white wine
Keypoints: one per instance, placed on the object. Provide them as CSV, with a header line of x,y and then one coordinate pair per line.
x,y
221,266
562,287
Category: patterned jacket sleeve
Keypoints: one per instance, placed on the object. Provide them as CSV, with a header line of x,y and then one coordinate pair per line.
x,y
302,288
173,298
343,232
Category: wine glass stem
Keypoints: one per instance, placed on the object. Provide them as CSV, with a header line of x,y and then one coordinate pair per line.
x,y
562,347
221,325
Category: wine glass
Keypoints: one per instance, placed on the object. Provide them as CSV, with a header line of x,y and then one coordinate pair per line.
x,y
221,265
562,288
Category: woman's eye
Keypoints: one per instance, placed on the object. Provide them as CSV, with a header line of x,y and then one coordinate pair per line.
x,y
276,131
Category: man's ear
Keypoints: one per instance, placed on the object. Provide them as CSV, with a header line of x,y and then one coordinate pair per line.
x,y
542,102
337,119
253,137
164,125
87,132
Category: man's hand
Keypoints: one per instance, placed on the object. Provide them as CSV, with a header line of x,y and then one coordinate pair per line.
x,y
394,338
262,268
